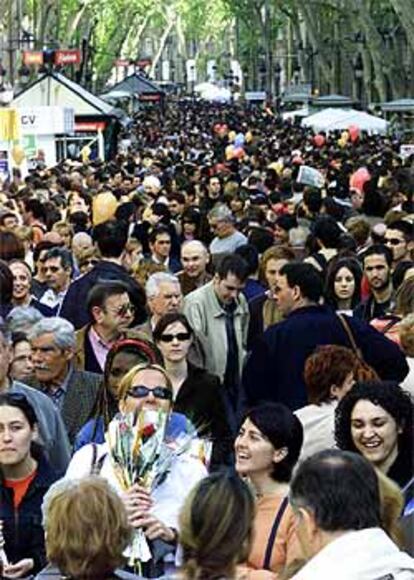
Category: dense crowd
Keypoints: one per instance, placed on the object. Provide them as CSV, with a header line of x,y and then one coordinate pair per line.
x,y
206,274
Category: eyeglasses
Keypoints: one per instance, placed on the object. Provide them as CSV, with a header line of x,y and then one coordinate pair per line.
x,y
394,241
123,310
141,391
180,336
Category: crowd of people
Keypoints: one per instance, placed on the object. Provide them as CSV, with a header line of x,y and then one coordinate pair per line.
x,y
197,274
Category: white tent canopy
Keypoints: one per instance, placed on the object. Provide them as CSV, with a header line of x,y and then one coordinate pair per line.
x,y
341,119
211,92
303,112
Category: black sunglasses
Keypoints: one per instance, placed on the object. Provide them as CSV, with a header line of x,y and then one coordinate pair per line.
x,y
394,241
181,336
141,391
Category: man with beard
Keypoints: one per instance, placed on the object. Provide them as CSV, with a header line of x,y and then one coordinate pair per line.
x,y
377,262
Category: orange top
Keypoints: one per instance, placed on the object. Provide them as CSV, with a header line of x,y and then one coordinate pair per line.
x,y
286,547
19,487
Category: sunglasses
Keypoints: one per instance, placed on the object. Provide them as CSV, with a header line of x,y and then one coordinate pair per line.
x,y
394,241
141,391
181,336
123,310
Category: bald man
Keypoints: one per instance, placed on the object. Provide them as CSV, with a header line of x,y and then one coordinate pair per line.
x,y
194,258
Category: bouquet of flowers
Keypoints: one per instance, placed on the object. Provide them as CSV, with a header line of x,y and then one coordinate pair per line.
x,y
135,443
141,453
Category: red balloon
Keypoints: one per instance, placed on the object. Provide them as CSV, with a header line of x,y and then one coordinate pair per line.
x,y
238,153
319,140
353,131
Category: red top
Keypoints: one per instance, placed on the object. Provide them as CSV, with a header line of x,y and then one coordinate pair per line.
x,y
19,487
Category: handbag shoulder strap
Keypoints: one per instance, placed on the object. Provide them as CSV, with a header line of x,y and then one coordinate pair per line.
x,y
273,533
349,334
96,464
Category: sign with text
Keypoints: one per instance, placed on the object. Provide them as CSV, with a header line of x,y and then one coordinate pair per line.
x,y
65,57
32,57
90,126
310,176
46,120
255,95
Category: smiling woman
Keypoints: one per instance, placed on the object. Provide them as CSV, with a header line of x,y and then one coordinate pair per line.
x,y
375,419
267,448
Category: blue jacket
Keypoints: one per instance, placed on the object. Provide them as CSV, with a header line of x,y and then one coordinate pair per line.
x,y
22,528
274,370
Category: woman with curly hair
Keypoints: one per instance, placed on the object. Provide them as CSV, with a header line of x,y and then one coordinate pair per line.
x,y
375,419
343,284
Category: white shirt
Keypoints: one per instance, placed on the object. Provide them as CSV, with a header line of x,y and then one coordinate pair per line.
x,y
168,497
359,555
318,422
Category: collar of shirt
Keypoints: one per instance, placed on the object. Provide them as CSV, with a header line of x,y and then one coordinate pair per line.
x,y
99,346
57,394
156,260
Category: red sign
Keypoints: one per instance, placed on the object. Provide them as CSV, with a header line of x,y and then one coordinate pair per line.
x,y
122,62
67,57
32,57
149,97
90,126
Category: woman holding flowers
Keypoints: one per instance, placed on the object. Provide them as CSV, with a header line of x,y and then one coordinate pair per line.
x,y
153,490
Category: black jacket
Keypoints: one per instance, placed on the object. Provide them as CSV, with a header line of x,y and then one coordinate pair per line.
x,y
274,371
200,398
74,304
22,528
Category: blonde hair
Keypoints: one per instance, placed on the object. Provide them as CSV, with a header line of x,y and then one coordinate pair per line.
x,y
86,528
406,332
391,506
126,382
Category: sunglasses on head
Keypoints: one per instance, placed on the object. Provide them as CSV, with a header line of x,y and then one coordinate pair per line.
x,y
181,336
141,391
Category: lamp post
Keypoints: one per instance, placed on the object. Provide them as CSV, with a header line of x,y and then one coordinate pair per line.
x,y
24,74
262,73
359,74
278,73
3,74
296,73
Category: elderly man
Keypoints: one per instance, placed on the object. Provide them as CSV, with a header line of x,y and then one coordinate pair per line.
x,y
219,315
227,238
164,295
58,267
73,392
51,428
194,258
336,499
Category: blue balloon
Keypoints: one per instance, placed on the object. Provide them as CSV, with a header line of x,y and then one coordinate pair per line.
x,y
239,140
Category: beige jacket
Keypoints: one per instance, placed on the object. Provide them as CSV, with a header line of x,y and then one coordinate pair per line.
x,y
207,319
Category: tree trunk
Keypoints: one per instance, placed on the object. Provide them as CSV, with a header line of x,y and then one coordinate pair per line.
x,y
171,19
405,11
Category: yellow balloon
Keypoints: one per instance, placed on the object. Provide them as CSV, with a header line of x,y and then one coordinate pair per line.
x,y
229,152
248,137
232,136
345,136
18,154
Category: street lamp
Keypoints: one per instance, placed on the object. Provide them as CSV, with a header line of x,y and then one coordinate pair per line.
x,y
359,73
24,74
296,73
3,74
262,73
278,74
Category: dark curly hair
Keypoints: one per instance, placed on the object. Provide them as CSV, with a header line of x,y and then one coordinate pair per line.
x,y
386,394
